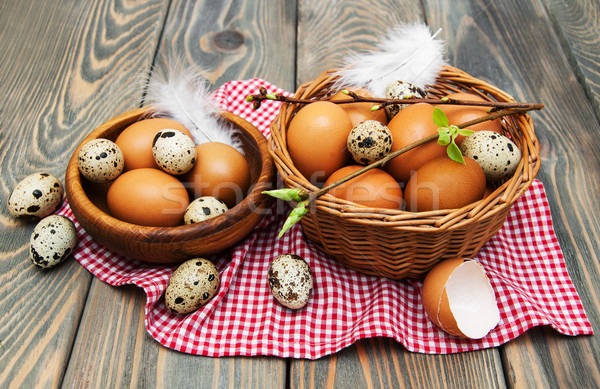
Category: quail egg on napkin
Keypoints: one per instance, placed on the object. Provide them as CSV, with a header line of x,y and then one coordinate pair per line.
x,y
290,280
191,286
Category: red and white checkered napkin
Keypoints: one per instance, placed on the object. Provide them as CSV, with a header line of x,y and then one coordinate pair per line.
x,y
524,263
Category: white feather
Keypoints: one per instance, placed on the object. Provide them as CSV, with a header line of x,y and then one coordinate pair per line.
x,y
409,52
184,96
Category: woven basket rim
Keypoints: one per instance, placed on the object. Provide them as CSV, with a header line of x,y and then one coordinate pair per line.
x,y
451,79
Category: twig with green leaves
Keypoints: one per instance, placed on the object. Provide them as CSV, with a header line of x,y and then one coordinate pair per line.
x,y
446,136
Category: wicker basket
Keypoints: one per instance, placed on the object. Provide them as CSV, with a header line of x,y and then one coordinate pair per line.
x,y
393,243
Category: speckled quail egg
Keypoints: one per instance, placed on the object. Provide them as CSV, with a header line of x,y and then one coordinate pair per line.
x,y
35,196
174,151
290,280
203,208
100,160
497,155
53,239
369,141
401,90
191,285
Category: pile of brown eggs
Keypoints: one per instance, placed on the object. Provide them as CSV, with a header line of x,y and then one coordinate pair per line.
x,y
328,141
158,176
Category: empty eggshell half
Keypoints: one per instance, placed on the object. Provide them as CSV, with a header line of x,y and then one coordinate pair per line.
x,y
458,298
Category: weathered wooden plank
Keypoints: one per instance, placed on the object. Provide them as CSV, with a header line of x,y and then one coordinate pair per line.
x,y
329,30
85,70
326,30
66,65
232,40
227,41
383,363
513,45
577,23
114,350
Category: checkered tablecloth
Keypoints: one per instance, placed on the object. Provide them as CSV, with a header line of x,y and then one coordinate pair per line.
x,y
523,261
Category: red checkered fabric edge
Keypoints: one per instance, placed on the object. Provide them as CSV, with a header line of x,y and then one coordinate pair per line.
x,y
523,261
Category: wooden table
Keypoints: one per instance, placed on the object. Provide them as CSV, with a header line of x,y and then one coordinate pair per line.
x,y
69,65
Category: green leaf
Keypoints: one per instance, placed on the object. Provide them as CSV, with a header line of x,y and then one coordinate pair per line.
x,y
454,153
286,194
443,136
465,132
294,217
439,118
375,108
271,96
249,98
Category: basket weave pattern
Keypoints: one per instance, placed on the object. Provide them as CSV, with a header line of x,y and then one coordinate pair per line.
x,y
394,243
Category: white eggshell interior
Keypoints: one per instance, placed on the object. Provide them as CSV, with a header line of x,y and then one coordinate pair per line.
x,y
472,300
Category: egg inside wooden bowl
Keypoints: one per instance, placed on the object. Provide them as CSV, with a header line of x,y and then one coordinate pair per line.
x,y
171,245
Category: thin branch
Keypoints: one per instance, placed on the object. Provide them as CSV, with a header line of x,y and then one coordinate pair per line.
x,y
263,95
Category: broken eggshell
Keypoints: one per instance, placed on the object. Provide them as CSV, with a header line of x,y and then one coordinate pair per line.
x,y
459,299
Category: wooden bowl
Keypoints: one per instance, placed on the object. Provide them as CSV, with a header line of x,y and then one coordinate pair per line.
x,y
171,245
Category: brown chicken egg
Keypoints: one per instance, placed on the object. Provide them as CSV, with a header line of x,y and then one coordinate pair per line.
x,y
444,184
148,197
374,188
458,114
316,139
220,171
459,299
412,124
359,112
135,141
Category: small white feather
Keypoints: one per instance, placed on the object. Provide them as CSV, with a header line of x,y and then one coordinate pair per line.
x,y
184,96
408,52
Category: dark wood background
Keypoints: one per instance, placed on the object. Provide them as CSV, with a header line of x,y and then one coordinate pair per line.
x,y
67,66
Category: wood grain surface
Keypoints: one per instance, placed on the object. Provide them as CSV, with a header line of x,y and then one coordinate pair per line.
x,y
367,21
230,40
327,34
532,67
67,66
185,37
577,25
